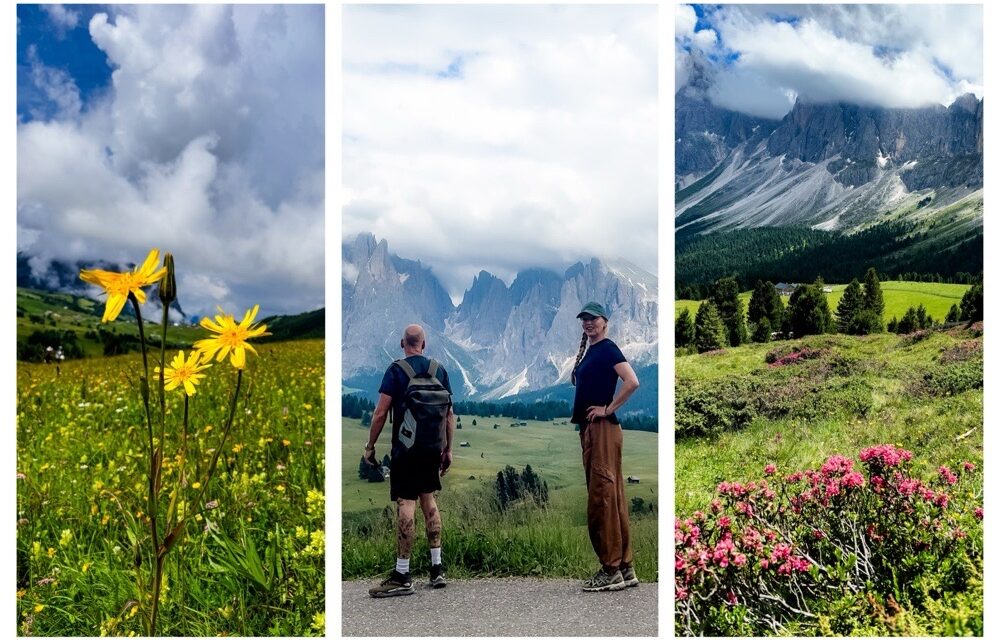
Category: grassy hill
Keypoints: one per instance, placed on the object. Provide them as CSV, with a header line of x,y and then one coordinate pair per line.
x,y
56,312
480,541
899,296
861,391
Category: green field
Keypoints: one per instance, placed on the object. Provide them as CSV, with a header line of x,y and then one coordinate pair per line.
x,y
899,296
254,565
529,541
736,414
48,310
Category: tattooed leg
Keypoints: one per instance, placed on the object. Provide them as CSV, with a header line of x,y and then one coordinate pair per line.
x,y
406,511
432,519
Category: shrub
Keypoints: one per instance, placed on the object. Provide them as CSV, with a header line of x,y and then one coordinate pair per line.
x,y
767,555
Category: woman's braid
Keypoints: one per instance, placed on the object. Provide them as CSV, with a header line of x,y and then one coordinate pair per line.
x,y
579,356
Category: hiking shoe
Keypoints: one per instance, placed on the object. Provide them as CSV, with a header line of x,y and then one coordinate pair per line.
x,y
438,580
628,575
397,584
604,581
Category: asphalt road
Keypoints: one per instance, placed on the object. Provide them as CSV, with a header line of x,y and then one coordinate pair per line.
x,y
500,607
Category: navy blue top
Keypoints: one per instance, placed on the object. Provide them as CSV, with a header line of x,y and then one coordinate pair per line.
x,y
596,379
394,384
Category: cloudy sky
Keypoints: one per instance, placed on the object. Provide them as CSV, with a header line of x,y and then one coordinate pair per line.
x,y
759,58
501,137
195,129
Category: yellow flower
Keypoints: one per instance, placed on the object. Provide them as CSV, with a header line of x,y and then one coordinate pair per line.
x,y
39,607
119,285
232,337
319,623
184,372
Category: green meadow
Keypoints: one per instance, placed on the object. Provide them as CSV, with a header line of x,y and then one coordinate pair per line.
x,y
899,296
251,565
526,539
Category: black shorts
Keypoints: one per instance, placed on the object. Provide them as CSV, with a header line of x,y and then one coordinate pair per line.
x,y
414,472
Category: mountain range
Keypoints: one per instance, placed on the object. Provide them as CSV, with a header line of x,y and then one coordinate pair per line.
x,y
832,167
499,341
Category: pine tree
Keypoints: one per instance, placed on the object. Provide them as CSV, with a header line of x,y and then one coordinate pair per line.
x,y
954,315
709,331
972,304
762,330
873,300
684,329
908,323
765,302
808,312
726,296
850,304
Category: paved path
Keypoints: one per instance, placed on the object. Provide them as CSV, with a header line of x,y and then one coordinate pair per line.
x,y
500,607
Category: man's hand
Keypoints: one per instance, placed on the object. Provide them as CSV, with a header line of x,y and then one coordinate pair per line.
x,y
445,461
370,457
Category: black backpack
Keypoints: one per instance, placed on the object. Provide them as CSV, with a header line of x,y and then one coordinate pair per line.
x,y
426,402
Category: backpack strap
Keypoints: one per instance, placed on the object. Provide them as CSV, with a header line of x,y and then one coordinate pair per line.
x,y
407,369
432,370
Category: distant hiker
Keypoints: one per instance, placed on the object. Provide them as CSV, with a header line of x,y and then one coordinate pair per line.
x,y
48,355
599,365
416,391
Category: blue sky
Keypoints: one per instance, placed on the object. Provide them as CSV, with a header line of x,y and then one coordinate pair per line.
x,y
760,58
57,47
208,142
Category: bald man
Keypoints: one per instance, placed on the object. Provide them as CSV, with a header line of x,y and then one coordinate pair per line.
x,y
414,475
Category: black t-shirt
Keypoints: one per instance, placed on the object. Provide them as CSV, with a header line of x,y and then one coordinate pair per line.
x,y
596,379
394,384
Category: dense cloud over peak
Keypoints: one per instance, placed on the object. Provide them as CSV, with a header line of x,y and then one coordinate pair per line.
x,y
761,58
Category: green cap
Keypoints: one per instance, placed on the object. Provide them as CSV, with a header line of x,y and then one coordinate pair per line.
x,y
594,309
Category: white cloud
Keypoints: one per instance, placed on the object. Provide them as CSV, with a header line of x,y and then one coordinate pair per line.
x,y
539,151
56,85
885,55
64,19
208,144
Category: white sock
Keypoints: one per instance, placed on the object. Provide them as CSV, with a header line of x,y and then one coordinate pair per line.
x,y
403,565
436,556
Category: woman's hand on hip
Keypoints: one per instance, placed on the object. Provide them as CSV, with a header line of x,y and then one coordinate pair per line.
x,y
594,413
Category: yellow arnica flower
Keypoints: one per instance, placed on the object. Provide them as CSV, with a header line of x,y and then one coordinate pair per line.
x,y
232,337
184,371
119,285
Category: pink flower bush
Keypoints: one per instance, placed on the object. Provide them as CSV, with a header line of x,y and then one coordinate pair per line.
x,y
777,546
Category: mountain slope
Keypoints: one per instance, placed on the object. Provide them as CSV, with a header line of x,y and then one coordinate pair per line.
x,y
830,166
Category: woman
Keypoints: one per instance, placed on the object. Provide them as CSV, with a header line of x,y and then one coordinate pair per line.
x,y
599,365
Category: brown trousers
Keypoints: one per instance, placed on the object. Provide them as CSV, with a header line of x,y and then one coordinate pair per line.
x,y
607,510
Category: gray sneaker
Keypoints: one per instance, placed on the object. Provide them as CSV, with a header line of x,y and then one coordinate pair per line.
x,y
628,575
397,584
603,581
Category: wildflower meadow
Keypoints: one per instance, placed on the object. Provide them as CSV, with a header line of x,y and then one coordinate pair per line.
x,y
172,492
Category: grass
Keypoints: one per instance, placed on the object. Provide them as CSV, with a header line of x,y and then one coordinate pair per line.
x,y
923,393
478,540
899,296
253,566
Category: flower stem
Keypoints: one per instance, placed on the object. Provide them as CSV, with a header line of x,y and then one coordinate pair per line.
x,y
153,470
163,365
222,443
